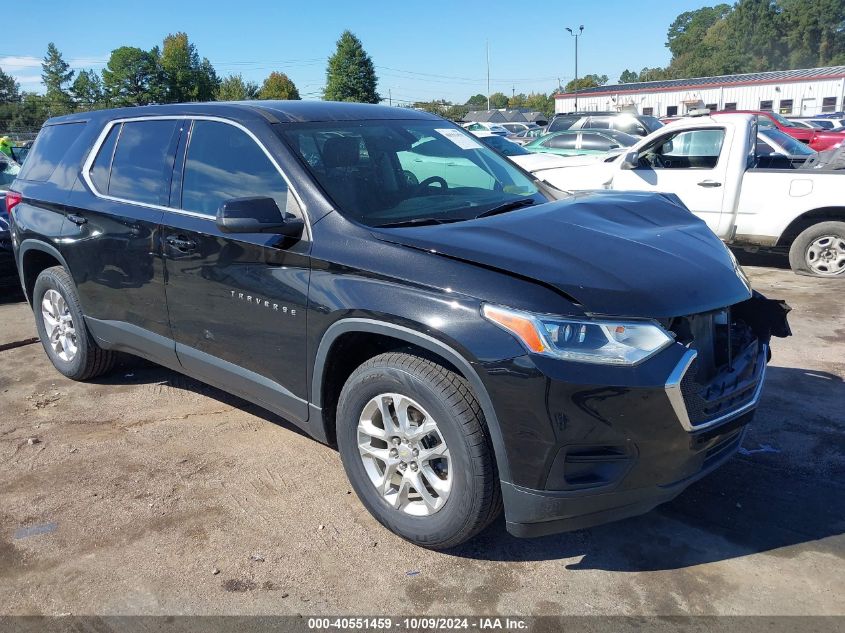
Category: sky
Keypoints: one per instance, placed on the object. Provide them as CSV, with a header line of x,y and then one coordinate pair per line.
x,y
421,50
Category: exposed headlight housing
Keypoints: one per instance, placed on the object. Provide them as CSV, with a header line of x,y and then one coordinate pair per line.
x,y
602,341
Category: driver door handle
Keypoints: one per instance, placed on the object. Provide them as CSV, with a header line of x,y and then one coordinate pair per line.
x,y
709,183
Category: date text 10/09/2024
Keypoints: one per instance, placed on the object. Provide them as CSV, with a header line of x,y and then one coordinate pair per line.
x,y
423,623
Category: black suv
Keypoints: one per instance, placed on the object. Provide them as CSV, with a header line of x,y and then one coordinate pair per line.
x,y
628,122
466,336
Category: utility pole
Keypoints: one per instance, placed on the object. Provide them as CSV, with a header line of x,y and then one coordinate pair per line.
x,y
390,96
488,75
576,36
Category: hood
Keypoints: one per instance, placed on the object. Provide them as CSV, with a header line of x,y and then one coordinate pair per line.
x,y
620,253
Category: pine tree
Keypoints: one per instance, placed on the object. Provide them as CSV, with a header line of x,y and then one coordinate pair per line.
x,y
350,75
55,74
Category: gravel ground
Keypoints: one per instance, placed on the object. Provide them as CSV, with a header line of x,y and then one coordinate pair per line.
x,y
145,492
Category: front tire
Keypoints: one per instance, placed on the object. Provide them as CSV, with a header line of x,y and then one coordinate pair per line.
x,y
61,327
819,250
416,450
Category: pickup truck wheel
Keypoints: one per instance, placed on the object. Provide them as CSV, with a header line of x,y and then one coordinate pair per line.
x,y
819,250
415,447
61,327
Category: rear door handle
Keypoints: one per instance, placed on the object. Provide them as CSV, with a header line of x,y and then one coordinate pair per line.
x,y
709,183
78,220
181,244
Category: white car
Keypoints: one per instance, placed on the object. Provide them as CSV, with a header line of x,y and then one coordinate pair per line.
x,y
478,126
836,125
711,164
540,164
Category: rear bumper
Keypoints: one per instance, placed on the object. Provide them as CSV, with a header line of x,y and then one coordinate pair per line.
x,y
532,513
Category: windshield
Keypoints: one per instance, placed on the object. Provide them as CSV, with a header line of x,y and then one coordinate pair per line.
x,y
782,120
504,146
791,146
398,171
651,123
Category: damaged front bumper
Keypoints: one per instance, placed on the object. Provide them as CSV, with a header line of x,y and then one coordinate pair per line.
x,y
616,442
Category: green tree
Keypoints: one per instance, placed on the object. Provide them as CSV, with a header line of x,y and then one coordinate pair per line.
x,y
29,114
813,32
56,74
477,101
539,102
517,101
278,86
234,88
628,77
498,100
186,77
350,75
653,74
455,112
9,89
87,89
587,81
132,77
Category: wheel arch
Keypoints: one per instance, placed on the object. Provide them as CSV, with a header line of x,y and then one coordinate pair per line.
x,y
35,256
808,219
386,336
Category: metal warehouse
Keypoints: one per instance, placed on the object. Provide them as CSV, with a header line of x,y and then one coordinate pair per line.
x,y
806,92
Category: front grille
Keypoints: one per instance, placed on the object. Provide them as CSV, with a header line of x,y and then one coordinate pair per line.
x,y
725,375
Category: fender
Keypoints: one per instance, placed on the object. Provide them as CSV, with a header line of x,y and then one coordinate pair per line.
x,y
429,343
36,245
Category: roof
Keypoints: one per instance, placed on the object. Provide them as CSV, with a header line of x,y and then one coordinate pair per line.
x,y
274,111
514,116
485,116
774,76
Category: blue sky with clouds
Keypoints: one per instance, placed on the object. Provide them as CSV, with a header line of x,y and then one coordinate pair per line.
x,y
422,50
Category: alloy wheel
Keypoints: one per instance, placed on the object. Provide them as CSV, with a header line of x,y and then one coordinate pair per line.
x,y
58,325
404,454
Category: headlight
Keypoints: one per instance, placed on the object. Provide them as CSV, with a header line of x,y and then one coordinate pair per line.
x,y
609,342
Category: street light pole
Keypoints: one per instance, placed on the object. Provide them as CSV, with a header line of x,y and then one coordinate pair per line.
x,y
576,36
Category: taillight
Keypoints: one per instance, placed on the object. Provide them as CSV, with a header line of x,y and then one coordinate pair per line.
x,y
13,199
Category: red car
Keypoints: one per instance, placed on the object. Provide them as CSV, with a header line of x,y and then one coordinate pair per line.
x,y
818,140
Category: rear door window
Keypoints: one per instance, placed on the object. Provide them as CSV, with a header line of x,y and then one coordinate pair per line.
x,y
563,123
223,162
562,141
143,161
50,147
596,142
597,123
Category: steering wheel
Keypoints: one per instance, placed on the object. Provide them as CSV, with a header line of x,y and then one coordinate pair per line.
x,y
431,180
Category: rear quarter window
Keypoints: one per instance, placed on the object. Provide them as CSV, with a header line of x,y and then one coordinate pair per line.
x,y
143,161
49,149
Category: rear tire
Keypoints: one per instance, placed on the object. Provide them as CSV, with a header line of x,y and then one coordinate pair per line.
x,y
819,250
61,327
461,491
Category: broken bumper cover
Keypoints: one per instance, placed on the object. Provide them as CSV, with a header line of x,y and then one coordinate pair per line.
x,y
598,444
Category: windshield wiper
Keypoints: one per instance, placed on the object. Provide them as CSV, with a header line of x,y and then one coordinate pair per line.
x,y
416,222
507,206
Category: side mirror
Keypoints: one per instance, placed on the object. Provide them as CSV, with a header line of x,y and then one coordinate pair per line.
x,y
256,215
631,160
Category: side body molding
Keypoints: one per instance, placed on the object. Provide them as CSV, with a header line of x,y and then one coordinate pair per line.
x,y
429,343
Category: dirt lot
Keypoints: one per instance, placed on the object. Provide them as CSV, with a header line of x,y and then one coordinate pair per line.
x,y
147,492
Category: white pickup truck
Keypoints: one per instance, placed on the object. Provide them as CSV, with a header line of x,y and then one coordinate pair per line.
x,y
710,163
